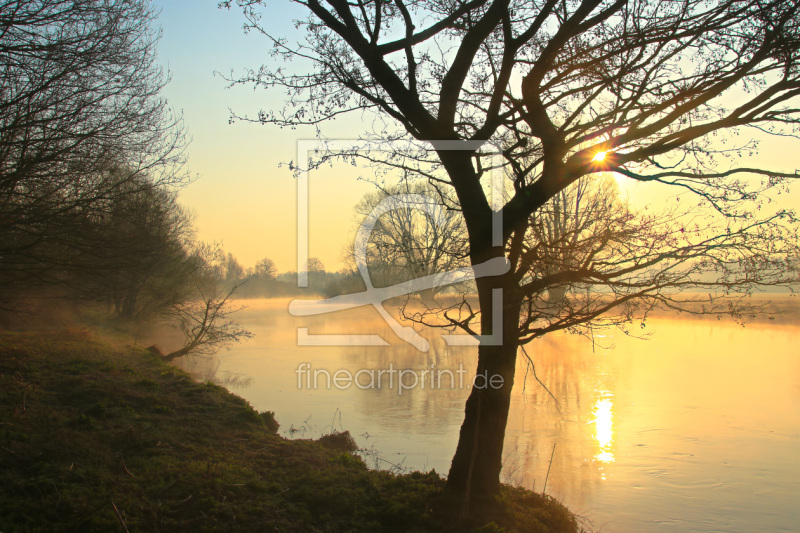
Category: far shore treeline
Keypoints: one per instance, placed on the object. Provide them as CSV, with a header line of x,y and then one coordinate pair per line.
x,y
92,158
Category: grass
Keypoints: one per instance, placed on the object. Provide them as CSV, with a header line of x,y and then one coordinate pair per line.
x,y
99,436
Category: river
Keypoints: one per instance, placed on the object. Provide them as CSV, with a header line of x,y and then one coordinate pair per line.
x,y
695,429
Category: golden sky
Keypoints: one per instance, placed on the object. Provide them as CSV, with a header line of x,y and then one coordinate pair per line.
x,y
241,197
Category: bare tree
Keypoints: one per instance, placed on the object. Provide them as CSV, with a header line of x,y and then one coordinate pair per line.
x,y
265,269
572,228
233,270
656,91
206,324
315,265
138,255
81,121
411,242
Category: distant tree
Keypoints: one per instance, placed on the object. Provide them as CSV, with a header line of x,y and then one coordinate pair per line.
x,y
265,269
315,265
233,271
410,242
658,92
82,121
346,281
317,277
572,227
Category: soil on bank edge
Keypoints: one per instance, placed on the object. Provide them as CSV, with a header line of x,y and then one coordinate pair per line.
x,y
96,435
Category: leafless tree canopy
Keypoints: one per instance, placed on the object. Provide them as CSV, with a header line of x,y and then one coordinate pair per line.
x,y
265,268
668,92
411,242
207,325
82,121
664,90
138,255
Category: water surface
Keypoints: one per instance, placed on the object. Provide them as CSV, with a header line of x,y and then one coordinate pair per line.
x,y
696,429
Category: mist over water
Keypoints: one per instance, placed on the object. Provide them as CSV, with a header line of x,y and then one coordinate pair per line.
x,y
696,429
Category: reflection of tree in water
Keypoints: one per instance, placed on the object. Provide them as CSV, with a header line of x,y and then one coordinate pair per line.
x,y
584,384
582,423
205,368
576,377
422,408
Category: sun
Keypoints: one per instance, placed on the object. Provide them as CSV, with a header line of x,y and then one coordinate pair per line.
x,y
599,156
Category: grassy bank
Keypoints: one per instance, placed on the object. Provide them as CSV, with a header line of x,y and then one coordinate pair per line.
x,y
99,436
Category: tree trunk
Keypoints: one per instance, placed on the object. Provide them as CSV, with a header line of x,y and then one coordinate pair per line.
x,y
475,470
177,354
128,308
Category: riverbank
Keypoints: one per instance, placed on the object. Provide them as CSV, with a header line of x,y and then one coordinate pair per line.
x,y
98,436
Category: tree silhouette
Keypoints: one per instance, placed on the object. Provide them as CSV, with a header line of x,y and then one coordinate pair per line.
x,y
661,92
81,121
138,255
265,269
206,324
409,242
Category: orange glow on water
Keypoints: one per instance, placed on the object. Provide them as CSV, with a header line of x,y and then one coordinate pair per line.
x,y
604,427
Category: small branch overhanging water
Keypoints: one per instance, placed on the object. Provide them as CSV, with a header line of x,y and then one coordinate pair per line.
x,y
532,366
552,454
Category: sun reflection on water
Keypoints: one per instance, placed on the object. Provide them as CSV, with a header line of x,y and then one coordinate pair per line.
x,y
604,427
